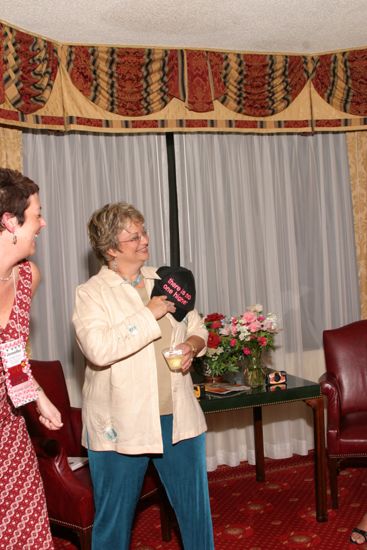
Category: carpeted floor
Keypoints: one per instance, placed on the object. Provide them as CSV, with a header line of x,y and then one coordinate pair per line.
x,y
276,514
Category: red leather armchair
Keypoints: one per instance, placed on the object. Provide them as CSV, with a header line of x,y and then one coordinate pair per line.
x,y
345,385
69,493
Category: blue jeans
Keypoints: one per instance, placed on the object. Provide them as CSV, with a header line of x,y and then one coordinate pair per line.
x,y
118,479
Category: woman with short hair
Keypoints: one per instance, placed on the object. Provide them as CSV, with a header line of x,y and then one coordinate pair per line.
x,y
134,408
23,513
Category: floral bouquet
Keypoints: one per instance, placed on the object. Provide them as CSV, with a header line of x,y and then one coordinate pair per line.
x,y
231,339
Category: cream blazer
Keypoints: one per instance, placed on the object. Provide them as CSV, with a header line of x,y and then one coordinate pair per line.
x,y
115,332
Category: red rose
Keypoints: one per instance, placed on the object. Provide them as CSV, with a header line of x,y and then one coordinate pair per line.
x,y
216,324
213,340
214,317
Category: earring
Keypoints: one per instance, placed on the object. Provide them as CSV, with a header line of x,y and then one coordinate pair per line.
x,y
15,239
114,265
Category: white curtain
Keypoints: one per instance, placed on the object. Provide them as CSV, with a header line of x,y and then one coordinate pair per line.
x,y
77,174
262,219
268,219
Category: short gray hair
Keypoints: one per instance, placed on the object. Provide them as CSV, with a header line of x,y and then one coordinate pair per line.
x,y
106,224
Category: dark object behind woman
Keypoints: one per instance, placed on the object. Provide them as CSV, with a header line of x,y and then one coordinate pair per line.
x,y
134,408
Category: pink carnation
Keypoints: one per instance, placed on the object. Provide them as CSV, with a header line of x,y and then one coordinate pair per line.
x,y
232,342
254,326
262,341
249,317
246,351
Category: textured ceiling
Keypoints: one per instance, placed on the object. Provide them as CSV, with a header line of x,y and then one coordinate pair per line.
x,y
300,26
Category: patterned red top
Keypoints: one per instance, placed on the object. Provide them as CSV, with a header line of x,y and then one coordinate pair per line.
x,y
23,514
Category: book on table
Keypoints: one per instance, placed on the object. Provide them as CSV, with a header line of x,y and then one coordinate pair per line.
x,y
223,388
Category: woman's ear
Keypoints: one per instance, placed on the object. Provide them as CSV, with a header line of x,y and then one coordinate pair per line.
x,y
112,264
112,254
9,221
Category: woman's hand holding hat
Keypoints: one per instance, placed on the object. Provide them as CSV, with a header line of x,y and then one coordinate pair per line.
x,y
178,284
160,305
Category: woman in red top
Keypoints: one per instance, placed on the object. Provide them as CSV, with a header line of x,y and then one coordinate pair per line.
x,y
23,514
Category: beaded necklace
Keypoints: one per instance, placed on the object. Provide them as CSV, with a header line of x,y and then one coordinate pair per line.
x,y
135,281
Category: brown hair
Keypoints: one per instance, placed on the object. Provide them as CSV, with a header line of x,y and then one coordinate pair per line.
x,y
105,225
15,190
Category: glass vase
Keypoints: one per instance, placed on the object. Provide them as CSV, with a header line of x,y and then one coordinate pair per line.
x,y
254,374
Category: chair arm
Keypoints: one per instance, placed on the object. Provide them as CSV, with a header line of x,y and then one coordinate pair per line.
x,y
46,448
50,451
68,494
330,388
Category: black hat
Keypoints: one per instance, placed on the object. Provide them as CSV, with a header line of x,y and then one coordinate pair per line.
x,y
178,284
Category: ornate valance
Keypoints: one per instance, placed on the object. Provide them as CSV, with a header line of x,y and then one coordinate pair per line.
x,y
126,81
340,79
30,65
48,85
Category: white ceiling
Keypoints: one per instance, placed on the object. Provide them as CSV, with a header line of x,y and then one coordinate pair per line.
x,y
299,26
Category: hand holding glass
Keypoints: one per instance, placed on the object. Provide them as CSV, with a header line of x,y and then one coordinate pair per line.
x,y
174,358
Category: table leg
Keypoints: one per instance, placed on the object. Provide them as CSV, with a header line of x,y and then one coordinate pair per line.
x,y
317,405
259,443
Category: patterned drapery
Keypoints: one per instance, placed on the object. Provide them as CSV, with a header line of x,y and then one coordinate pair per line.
x,y
257,85
127,81
340,79
11,151
29,68
357,158
44,84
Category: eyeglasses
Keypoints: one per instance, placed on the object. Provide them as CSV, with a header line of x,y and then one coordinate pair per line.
x,y
137,237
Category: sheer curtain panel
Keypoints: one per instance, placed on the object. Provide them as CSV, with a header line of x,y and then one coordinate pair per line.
x,y
268,219
78,173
